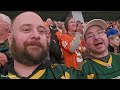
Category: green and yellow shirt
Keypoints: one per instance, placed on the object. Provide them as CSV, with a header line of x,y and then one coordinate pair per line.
x,y
97,69
55,71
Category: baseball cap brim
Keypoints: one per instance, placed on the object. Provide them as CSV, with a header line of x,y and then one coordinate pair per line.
x,y
111,31
98,22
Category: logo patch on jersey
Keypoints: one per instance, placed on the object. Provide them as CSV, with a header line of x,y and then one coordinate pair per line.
x,y
53,65
64,44
118,77
81,64
66,76
91,76
109,66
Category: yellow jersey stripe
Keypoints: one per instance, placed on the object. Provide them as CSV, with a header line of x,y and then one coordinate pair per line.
x,y
103,63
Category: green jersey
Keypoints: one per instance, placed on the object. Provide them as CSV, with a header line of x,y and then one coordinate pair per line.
x,y
55,71
4,47
97,69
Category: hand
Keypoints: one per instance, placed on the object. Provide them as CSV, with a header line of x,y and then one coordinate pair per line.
x,y
80,27
80,35
3,59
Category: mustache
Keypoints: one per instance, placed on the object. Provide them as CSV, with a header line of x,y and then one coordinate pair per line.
x,y
33,43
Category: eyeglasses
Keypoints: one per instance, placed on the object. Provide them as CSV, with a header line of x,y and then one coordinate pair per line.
x,y
98,33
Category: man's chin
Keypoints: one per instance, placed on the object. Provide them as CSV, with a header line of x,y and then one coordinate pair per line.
x,y
33,47
34,53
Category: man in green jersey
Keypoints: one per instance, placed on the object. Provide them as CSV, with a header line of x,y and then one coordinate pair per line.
x,y
29,43
99,63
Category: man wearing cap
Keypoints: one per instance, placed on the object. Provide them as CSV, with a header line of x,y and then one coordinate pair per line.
x,y
100,63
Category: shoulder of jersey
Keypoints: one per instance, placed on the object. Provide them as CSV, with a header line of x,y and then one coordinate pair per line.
x,y
81,64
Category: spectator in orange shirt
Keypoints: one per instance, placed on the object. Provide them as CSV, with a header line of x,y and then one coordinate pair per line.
x,y
70,44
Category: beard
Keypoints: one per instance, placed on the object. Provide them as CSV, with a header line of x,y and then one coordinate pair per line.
x,y
29,58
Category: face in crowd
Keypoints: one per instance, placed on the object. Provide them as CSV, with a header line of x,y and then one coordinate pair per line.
x,y
96,40
28,40
114,40
4,29
80,28
71,25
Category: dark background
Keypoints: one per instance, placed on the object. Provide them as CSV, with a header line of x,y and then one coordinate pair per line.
x,y
61,15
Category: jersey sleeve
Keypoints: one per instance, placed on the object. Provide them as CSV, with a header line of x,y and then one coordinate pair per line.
x,y
63,72
65,41
86,69
58,34
70,43
76,41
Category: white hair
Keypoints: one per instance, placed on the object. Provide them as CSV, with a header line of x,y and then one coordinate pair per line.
x,y
5,18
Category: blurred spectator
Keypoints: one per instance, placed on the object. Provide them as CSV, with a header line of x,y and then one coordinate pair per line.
x,y
114,40
118,24
70,44
55,50
79,27
78,22
5,24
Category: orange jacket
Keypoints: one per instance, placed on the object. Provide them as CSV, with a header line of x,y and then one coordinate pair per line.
x,y
70,59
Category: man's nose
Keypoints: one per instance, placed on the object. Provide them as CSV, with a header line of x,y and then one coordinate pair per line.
x,y
35,34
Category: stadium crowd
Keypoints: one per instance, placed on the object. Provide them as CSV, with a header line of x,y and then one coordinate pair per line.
x,y
31,48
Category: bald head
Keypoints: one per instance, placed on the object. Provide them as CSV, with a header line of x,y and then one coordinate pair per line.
x,y
26,18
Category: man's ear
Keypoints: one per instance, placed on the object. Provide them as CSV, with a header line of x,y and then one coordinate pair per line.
x,y
10,38
110,40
